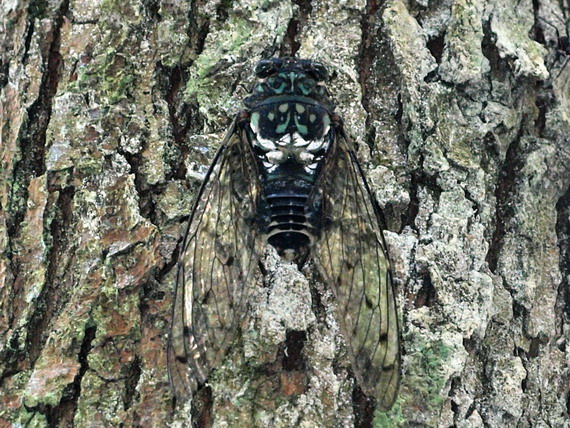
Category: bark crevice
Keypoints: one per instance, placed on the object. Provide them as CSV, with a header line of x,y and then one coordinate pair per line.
x,y
505,189
54,294
30,165
291,44
32,136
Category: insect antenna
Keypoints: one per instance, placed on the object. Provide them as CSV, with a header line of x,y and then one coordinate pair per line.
x,y
562,42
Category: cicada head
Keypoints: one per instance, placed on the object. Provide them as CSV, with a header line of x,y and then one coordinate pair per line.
x,y
282,77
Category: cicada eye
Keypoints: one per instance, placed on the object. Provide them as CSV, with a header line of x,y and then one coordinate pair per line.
x,y
265,68
316,70
319,72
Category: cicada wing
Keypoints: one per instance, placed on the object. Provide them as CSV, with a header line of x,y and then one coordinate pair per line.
x,y
351,255
216,265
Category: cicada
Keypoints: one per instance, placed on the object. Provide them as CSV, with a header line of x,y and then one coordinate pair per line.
x,y
286,175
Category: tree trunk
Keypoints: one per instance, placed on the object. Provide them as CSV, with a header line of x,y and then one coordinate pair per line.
x,y
112,110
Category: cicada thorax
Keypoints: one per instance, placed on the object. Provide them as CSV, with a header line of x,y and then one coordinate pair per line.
x,y
290,130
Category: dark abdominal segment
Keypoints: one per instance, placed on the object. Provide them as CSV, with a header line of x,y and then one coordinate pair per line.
x,y
288,226
291,226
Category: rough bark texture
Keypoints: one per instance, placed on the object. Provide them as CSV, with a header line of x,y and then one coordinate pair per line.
x,y
110,111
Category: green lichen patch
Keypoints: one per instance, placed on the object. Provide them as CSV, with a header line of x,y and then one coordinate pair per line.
x,y
392,418
202,85
117,77
428,366
25,418
230,53
101,401
463,58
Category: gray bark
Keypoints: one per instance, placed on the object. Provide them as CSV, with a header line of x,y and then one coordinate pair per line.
x,y
111,111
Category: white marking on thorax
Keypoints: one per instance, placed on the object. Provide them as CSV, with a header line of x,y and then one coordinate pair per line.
x,y
290,146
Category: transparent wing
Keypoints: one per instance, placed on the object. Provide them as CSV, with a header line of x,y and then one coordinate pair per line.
x,y
351,255
217,261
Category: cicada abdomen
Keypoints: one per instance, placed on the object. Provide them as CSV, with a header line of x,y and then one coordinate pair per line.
x,y
287,176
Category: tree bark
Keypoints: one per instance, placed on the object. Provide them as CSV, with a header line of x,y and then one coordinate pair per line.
x,y
112,110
